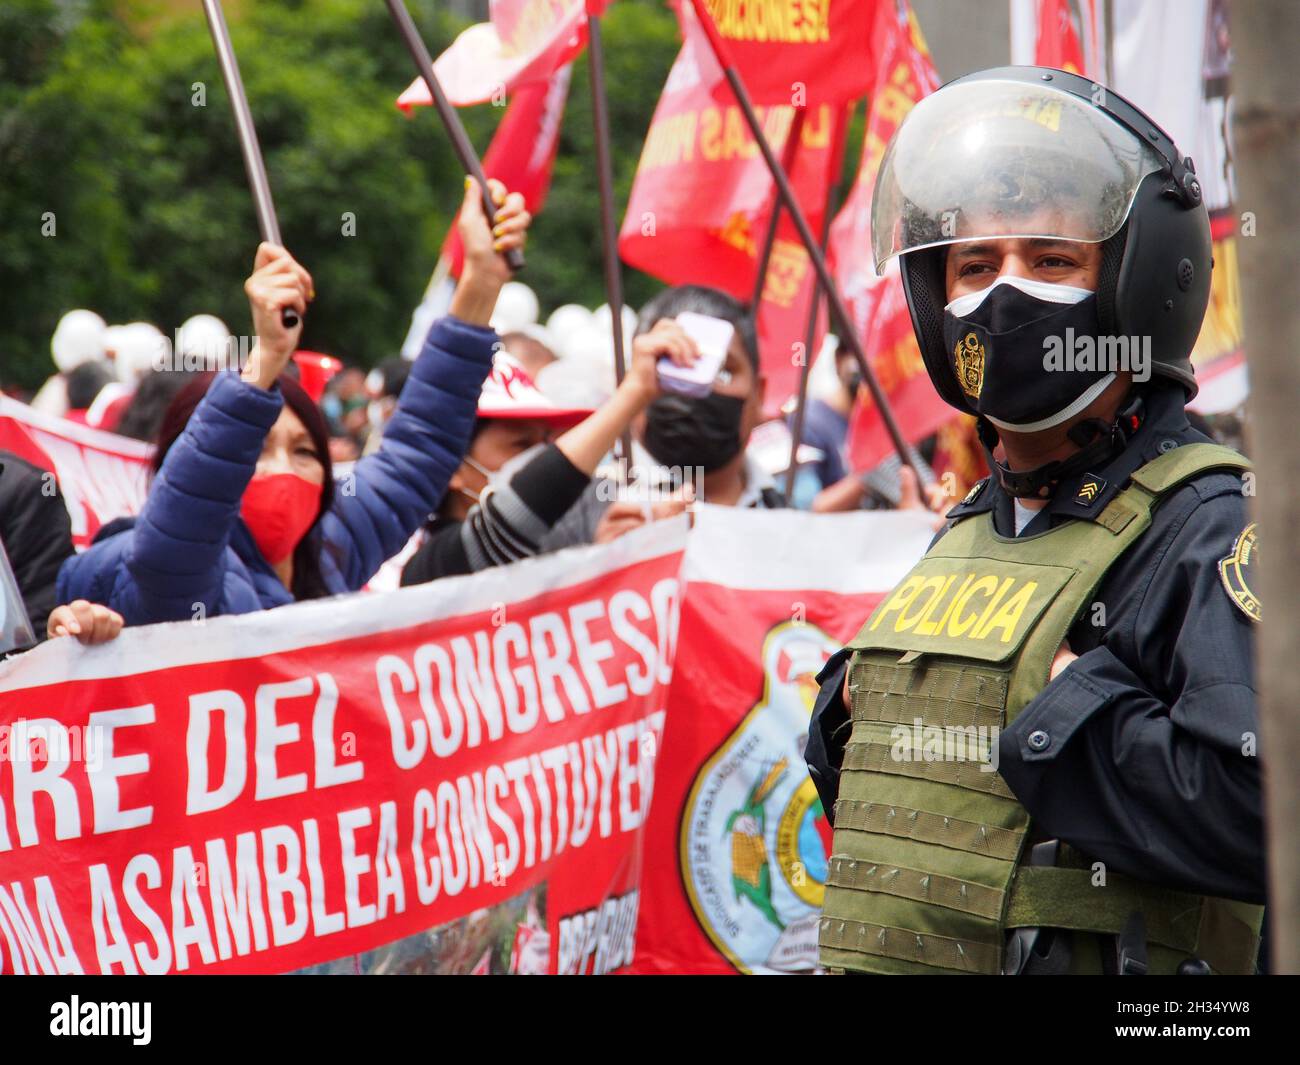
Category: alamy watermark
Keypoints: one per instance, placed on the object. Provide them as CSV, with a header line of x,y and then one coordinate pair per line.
x,y
1086,353
172,354
919,742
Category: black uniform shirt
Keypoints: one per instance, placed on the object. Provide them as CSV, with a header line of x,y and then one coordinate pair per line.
x,y
1143,749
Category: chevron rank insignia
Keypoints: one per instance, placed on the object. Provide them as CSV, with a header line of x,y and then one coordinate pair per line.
x,y
974,493
1091,488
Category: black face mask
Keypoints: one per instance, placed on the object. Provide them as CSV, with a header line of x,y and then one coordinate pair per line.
x,y
1012,355
701,432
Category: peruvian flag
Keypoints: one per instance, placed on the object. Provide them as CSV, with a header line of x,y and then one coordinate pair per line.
x,y
522,153
703,197
877,305
1057,44
525,41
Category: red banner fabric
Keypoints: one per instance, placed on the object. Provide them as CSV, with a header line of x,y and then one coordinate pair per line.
x,y
739,835
522,153
450,777
525,42
703,198
788,48
102,476
1057,44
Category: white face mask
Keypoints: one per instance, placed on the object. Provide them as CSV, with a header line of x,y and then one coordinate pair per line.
x,y
1043,290
496,478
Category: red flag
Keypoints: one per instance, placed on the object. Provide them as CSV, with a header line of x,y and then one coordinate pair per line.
x,y
522,153
797,51
788,291
703,196
877,304
526,41
1058,44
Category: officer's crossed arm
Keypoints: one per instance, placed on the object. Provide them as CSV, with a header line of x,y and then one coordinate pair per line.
x,y
1141,752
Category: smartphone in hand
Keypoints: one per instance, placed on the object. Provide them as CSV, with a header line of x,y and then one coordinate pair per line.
x,y
712,336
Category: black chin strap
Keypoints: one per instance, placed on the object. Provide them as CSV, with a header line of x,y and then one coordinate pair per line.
x,y
1098,443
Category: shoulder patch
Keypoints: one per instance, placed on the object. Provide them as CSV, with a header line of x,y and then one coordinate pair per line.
x,y
1236,574
974,493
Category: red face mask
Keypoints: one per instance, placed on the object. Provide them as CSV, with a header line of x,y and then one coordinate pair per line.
x,y
278,510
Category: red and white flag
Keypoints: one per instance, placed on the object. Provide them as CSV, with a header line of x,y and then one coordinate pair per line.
x,y
525,41
102,475
522,153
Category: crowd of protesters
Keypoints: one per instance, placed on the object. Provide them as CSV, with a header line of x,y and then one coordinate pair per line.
x,y
489,446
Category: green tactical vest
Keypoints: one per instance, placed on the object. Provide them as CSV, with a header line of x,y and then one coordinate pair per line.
x,y
927,871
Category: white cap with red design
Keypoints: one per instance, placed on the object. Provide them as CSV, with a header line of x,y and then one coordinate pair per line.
x,y
509,392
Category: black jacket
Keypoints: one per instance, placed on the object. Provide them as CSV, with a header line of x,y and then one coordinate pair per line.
x,y
36,532
1149,762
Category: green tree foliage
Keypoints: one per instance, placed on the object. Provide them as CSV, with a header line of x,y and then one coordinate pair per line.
x,y
114,123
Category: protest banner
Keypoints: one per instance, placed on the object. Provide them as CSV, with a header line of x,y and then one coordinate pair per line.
x,y
102,476
446,778
738,831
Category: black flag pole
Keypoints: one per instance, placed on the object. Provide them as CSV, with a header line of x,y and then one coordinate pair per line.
x,y
769,239
460,141
796,429
252,152
790,202
801,406
608,232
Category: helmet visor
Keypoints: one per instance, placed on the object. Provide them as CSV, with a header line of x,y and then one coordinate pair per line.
x,y
1005,159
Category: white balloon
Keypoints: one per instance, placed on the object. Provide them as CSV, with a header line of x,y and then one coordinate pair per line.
x,y
516,307
138,347
78,338
567,319
575,384
202,336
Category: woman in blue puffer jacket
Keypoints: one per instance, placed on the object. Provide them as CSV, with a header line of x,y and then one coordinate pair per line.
x,y
243,513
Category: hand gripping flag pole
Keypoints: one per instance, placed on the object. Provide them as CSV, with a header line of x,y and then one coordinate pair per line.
x,y
791,203
460,141
257,182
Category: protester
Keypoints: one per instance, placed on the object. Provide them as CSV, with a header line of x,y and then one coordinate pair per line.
x,y
514,484
90,623
36,533
685,437
77,339
149,402
344,407
528,349
383,385
243,514
826,420
84,384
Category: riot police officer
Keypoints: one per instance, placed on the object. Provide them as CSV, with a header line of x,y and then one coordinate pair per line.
x,y
1040,748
